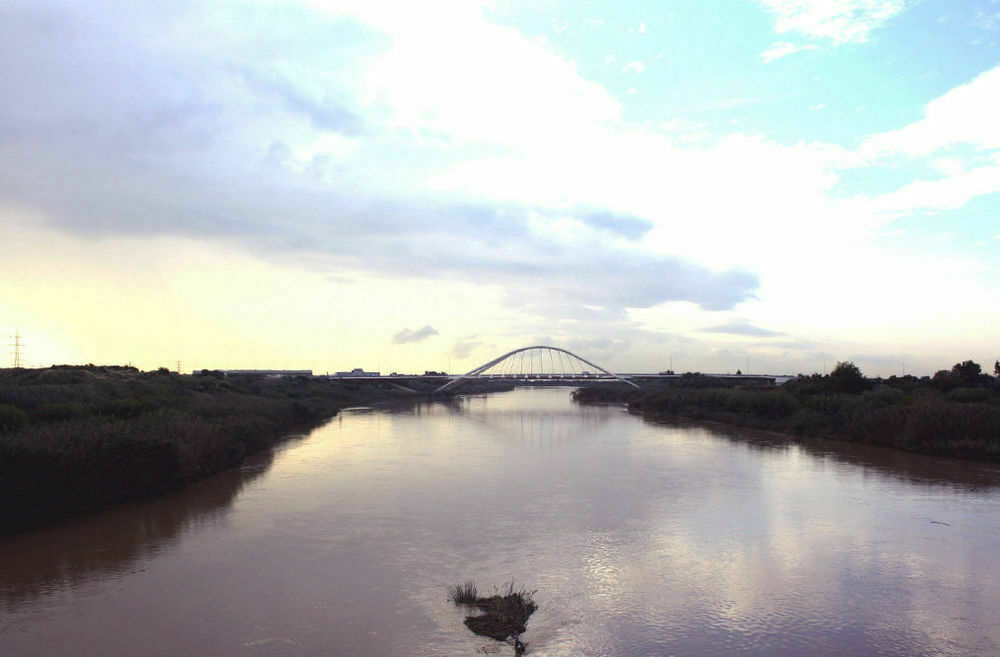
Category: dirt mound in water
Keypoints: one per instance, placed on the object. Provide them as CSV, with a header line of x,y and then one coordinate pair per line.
x,y
504,614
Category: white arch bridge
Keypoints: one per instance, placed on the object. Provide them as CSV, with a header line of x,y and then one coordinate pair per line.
x,y
539,362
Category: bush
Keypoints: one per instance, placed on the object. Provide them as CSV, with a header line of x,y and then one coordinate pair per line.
x,y
969,395
11,417
57,411
954,429
884,395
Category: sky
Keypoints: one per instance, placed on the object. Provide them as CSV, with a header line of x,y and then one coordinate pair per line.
x,y
765,185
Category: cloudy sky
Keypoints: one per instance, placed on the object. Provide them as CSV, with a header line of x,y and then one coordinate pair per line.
x,y
769,185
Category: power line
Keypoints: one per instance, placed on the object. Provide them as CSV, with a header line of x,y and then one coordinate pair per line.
x,y
17,344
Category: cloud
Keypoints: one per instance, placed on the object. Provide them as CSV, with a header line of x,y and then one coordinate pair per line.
x,y
783,49
948,193
634,67
986,20
840,21
464,348
595,348
174,141
963,115
741,328
627,226
385,165
324,113
406,335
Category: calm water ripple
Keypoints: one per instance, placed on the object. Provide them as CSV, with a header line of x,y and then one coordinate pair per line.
x,y
641,538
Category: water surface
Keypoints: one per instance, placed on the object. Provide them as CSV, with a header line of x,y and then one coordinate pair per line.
x,y
642,539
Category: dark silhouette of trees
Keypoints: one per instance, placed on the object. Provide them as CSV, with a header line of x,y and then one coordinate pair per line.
x,y
969,371
846,377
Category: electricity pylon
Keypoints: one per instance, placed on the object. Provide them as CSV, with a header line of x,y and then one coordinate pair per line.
x,y
16,344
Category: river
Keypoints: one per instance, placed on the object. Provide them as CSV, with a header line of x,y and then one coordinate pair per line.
x,y
640,538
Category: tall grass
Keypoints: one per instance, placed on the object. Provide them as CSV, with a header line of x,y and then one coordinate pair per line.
x,y
78,439
505,611
466,593
962,422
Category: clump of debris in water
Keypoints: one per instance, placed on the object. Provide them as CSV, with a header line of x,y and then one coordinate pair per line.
x,y
505,611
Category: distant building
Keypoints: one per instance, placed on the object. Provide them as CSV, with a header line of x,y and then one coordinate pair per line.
x,y
357,371
273,374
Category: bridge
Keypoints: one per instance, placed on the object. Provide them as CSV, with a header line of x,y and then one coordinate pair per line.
x,y
539,362
540,365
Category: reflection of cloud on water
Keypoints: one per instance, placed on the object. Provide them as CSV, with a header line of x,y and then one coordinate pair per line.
x,y
682,540
95,547
807,590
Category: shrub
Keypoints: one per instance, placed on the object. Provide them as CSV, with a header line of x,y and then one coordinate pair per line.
x,y
11,417
883,395
969,395
56,411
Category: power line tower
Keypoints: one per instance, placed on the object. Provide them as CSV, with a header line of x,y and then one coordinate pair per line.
x,y
16,344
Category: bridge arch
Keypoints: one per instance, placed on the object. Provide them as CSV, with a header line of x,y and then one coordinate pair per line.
x,y
536,350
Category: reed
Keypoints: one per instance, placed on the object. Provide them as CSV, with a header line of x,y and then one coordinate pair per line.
x,y
505,611
466,593
76,439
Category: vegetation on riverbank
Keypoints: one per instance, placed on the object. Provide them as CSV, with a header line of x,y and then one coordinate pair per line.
x,y
954,413
505,611
75,439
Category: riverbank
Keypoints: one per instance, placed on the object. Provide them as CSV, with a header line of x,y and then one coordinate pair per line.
x,y
77,439
906,414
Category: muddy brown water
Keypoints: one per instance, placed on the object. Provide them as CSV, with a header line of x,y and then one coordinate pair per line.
x,y
641,538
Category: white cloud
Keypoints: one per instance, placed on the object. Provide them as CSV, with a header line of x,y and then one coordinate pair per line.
x,y
478,116
946,194
964,115
986,20
783,49
634,67
840,21
464,347
949,166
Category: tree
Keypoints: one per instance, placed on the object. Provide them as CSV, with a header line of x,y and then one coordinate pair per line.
x,y
970,372
846,377
946,380
996,368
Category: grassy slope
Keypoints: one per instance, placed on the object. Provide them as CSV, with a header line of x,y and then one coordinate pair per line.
x,y
963,422
75,439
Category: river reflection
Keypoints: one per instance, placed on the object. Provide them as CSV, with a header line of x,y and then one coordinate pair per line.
x,y
882,462
641,538
116,542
